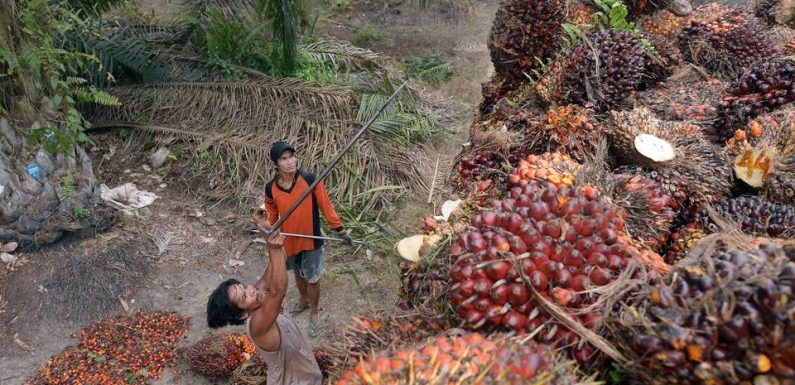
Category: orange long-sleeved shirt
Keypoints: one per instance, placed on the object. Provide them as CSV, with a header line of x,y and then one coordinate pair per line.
x,y
305,219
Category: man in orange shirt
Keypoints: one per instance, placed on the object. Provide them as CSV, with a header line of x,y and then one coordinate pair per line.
x,y
304,255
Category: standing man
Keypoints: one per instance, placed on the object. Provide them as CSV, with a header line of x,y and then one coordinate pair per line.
x,y
304,255
278,340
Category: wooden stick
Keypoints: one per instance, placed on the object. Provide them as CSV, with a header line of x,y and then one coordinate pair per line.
x,y
433,182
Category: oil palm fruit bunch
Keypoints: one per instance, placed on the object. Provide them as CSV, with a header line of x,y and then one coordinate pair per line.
x,y
755,216
645,7
568,129
789,47
550,88
723,316
605,70
765,10
524,34
662,23
478,171
693,101
557,240
764,155
725,42
776,12
366,335
673,153
682,241
468,359
650,211
767,87
579,14
556,168
663,62
219,355
424,285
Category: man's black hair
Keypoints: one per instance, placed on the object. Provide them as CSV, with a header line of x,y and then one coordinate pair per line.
x,y
220,309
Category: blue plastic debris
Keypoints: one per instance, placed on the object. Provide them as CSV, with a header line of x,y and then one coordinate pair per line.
x,y
34,170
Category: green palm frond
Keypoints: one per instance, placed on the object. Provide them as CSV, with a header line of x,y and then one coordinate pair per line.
x,y
235,8
153,32
117,56
402,122
284,16
342,54
430,69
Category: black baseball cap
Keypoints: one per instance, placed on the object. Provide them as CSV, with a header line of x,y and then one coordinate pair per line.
x,y
278,149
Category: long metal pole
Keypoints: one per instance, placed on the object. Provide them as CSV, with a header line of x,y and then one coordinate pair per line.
x,y
311,237
334,162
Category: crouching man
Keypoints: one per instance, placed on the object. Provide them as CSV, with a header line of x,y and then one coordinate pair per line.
x,y
278,340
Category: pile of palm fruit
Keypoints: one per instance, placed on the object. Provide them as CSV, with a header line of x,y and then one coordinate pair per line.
x,y
628,202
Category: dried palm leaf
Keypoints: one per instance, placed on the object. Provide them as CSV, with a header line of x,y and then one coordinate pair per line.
x,y
231,126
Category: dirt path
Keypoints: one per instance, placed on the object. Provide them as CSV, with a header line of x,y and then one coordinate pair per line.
x,y
180,278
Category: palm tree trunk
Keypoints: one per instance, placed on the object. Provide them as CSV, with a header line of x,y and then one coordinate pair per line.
x,y
42,196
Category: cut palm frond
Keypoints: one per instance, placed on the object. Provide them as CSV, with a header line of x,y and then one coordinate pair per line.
x,y
402,122
234,8
230,127
154,33
342,54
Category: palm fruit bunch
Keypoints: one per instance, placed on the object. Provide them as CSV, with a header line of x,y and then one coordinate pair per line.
x,y
645,7
550,88
663,62
569,129
556,168
424,285
723,316
579,14
662,23
776,12
694,101
755,216
606,83
468,360
764,155
689,168
789,47
650,211
525,33
366,335
478,171
557,240
725,42
682,241
219,355
765,11
767,87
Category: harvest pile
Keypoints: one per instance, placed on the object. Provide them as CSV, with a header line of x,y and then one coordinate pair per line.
x,y
126,349
624,182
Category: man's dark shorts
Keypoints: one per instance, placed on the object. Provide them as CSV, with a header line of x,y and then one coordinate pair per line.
x,y
308,264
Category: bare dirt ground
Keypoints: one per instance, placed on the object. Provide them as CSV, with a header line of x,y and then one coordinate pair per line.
x,y
204,235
